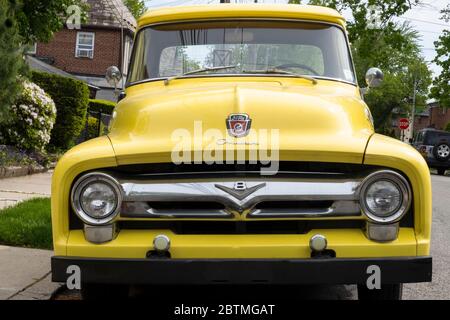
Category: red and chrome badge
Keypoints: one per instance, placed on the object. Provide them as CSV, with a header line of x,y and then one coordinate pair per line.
x,y
238,124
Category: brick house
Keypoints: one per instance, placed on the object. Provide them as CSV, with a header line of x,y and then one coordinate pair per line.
x,y
433,116
87,52
439,116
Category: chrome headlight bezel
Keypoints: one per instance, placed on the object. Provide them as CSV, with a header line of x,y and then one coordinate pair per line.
x,y
399,181
80,185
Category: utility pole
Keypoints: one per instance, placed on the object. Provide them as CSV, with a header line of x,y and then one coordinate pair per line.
x,y
411,132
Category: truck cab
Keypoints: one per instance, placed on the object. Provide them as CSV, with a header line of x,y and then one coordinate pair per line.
x,y
242,153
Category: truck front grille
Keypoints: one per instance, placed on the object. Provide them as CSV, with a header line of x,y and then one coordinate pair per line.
x,y
237,199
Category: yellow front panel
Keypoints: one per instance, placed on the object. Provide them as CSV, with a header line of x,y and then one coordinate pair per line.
x,y
347,243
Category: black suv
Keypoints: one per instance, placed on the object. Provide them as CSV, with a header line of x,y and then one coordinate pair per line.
x,y
434,145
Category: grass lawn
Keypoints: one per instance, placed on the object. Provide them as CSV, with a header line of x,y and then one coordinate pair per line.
x,y
27,224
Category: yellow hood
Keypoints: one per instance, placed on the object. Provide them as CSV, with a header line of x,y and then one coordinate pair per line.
x,y
323,122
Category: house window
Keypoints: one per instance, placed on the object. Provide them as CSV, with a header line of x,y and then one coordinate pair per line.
x,y
85,45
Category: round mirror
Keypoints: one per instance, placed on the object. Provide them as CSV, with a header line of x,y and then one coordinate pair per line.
x,y
113,75
374,77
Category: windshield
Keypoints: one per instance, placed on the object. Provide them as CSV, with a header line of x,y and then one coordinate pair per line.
x,y
241,48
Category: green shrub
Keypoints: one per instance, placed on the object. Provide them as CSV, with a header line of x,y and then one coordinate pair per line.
x,y
71,98
447,128
92,130
103,106
31,119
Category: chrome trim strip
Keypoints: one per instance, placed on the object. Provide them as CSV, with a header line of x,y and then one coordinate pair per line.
x,y
238,75
338,208
141,209
234,172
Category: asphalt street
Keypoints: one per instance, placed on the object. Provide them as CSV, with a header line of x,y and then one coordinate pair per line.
x,y
439,288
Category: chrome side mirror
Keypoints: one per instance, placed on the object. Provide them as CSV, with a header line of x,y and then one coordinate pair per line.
x,y
374,77
113,76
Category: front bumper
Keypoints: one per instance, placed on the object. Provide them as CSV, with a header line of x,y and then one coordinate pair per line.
x,y
242,271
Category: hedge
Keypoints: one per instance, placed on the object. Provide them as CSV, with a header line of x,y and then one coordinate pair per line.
x,y
71,98
103,106
447,128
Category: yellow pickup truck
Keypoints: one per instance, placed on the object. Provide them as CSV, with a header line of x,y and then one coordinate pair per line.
x,y
242,152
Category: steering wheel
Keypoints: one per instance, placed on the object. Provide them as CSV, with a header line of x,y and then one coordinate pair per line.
x,y
297,65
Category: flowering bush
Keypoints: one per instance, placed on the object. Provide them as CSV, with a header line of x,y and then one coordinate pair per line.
x,y
31,119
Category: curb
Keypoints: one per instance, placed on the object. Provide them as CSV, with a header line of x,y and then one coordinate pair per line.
x,y
12,172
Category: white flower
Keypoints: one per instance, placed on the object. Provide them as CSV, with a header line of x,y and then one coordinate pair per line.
x,y
33,118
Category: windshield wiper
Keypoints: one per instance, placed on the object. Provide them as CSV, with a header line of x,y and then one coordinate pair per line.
x,y
280,71
167,81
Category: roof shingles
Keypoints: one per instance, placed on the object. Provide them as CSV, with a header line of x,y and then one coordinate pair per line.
x,y
110,13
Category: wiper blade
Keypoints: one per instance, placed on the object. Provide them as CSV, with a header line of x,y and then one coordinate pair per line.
x,y
167,81
280,71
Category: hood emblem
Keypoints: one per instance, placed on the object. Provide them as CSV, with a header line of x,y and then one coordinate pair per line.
x,y
238,124
240,190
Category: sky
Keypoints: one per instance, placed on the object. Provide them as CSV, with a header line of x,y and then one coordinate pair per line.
x,y
424,19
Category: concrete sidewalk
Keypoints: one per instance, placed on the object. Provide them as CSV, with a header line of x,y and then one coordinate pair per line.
x,y
14,190
25,274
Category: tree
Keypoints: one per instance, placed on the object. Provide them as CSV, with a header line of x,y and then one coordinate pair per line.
x,y
39,19
11,61
441,84
136,7
23,22
378,41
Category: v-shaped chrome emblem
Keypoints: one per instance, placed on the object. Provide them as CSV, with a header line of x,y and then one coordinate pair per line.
x,y
240,190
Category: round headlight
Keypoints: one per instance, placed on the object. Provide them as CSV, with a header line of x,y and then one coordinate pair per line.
x,y
96,198
385,196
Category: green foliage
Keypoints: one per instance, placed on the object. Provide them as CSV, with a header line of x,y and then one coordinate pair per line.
x,y
27,224
441,84
11,62
103,106
71,98
31,119
136,7
377,41
92,129
23,22
15,159
447,127
39,19
369,13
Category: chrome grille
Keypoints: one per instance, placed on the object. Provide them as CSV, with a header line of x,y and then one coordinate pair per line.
x,y
232,198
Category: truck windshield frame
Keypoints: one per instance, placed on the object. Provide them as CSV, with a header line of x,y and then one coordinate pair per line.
x,y
315,49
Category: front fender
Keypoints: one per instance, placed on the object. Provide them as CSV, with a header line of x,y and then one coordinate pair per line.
x,y
389,152
92,154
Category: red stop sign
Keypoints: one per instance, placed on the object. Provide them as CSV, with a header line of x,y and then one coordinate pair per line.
x,y
403,123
